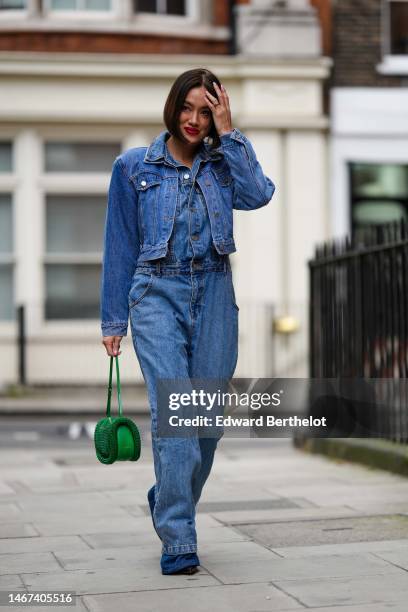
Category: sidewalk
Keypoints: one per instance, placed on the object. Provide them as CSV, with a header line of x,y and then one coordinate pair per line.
x,y
278,529
72,400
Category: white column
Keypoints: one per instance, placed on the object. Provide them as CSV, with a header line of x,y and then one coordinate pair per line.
x,y
308,208
33,8
123,10
139,137
29,222
258,232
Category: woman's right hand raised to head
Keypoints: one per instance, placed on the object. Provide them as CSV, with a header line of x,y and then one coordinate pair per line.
x,y
112,345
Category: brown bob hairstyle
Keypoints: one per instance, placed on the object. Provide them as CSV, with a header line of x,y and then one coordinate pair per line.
x,y
177,95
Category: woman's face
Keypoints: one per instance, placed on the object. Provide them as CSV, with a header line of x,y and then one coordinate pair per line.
x,y
195,118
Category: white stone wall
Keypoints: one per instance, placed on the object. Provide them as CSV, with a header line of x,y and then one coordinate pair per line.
x,y
277,104
368,125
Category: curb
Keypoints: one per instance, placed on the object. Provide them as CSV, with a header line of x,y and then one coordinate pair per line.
x,y
74,411
373,452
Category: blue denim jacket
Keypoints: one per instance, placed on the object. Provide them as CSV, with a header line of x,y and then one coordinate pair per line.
x,y
141,208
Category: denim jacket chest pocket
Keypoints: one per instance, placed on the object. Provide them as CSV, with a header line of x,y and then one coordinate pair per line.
x,y
148,186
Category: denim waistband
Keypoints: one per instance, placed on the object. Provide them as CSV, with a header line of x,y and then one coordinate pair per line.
x,y
194,266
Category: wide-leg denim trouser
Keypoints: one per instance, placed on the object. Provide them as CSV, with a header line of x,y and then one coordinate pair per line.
x,y
184,324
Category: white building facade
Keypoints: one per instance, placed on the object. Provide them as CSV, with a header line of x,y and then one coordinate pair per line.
x,y
369,117
63,119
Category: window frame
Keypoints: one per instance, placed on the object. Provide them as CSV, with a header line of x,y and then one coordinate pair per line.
x,y
391,64
8,185
81,14
73,184
191,14
8,259
16,13
354,199
121,18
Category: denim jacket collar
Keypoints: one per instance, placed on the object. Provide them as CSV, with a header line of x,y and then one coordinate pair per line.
x,y
156,152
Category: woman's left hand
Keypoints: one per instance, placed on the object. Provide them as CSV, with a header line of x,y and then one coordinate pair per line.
x,y
220,109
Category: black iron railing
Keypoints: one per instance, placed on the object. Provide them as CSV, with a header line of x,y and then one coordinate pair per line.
x,y
359,313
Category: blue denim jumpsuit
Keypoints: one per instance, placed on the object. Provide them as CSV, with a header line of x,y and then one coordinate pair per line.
x,y
184,324
168,236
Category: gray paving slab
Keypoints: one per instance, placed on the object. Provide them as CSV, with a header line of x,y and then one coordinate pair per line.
x,y
78,606
17,530
9,512
5,489
288,514
236,568
350,495
88,513
235,552
398,557
118,540
138,557
220,534
379,546
131,578
71,525
328,531
374,507
28,562
75,500
11,581
389,606
356,591
42,544
231,598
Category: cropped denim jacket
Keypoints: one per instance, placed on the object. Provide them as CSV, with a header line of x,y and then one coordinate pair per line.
x,y
141,209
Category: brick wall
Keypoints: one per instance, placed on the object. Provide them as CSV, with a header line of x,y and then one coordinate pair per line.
x,y
324,11
90,42
357,40
97,42
221,12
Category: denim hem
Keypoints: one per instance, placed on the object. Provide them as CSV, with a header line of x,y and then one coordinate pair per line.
x,y
111,328
180,549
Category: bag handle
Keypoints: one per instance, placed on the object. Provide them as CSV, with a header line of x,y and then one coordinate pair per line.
x,y
108,406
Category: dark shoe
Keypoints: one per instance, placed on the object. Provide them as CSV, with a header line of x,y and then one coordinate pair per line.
x,y
179,564
193,569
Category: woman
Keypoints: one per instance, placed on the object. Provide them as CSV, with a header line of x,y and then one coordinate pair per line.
x,y
168,236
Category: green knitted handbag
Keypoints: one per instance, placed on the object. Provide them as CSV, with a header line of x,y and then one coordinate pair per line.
x,y
116,438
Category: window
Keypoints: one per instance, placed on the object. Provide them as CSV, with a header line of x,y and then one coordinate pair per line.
x,y
163,7
5,157
80,157
79,5
395,38
398,27
6,258
13,5
379,194
6,237
74,234
74,231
